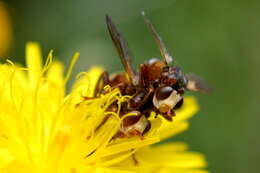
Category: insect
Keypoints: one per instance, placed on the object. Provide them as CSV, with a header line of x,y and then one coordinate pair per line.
x,y
157,86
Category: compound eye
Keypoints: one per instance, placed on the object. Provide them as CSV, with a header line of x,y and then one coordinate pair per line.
x,y
170,79
163,92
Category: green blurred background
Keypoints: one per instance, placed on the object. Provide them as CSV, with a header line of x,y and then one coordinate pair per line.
x,y
218,40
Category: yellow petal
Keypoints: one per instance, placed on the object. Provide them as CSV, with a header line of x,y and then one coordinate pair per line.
x,y
17,166
173,147
127,144
94,75
85,86
189,108
167,157
170,157
55,73
169,129
34,63
5,157
173,170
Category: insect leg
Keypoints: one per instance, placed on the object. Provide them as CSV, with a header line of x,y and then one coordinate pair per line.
x,y
167,115
140,98
134,158
102,81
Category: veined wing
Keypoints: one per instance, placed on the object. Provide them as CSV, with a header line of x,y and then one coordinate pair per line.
x,y
122,50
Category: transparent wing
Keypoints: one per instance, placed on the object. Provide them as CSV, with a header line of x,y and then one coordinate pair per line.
x,y
122,50
196,83
158,39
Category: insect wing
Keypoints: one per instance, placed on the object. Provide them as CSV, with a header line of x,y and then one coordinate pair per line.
x,y
158,39
196,83
122,50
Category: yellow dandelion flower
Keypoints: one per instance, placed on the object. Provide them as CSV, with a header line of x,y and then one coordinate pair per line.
x,y
45,130
5,30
